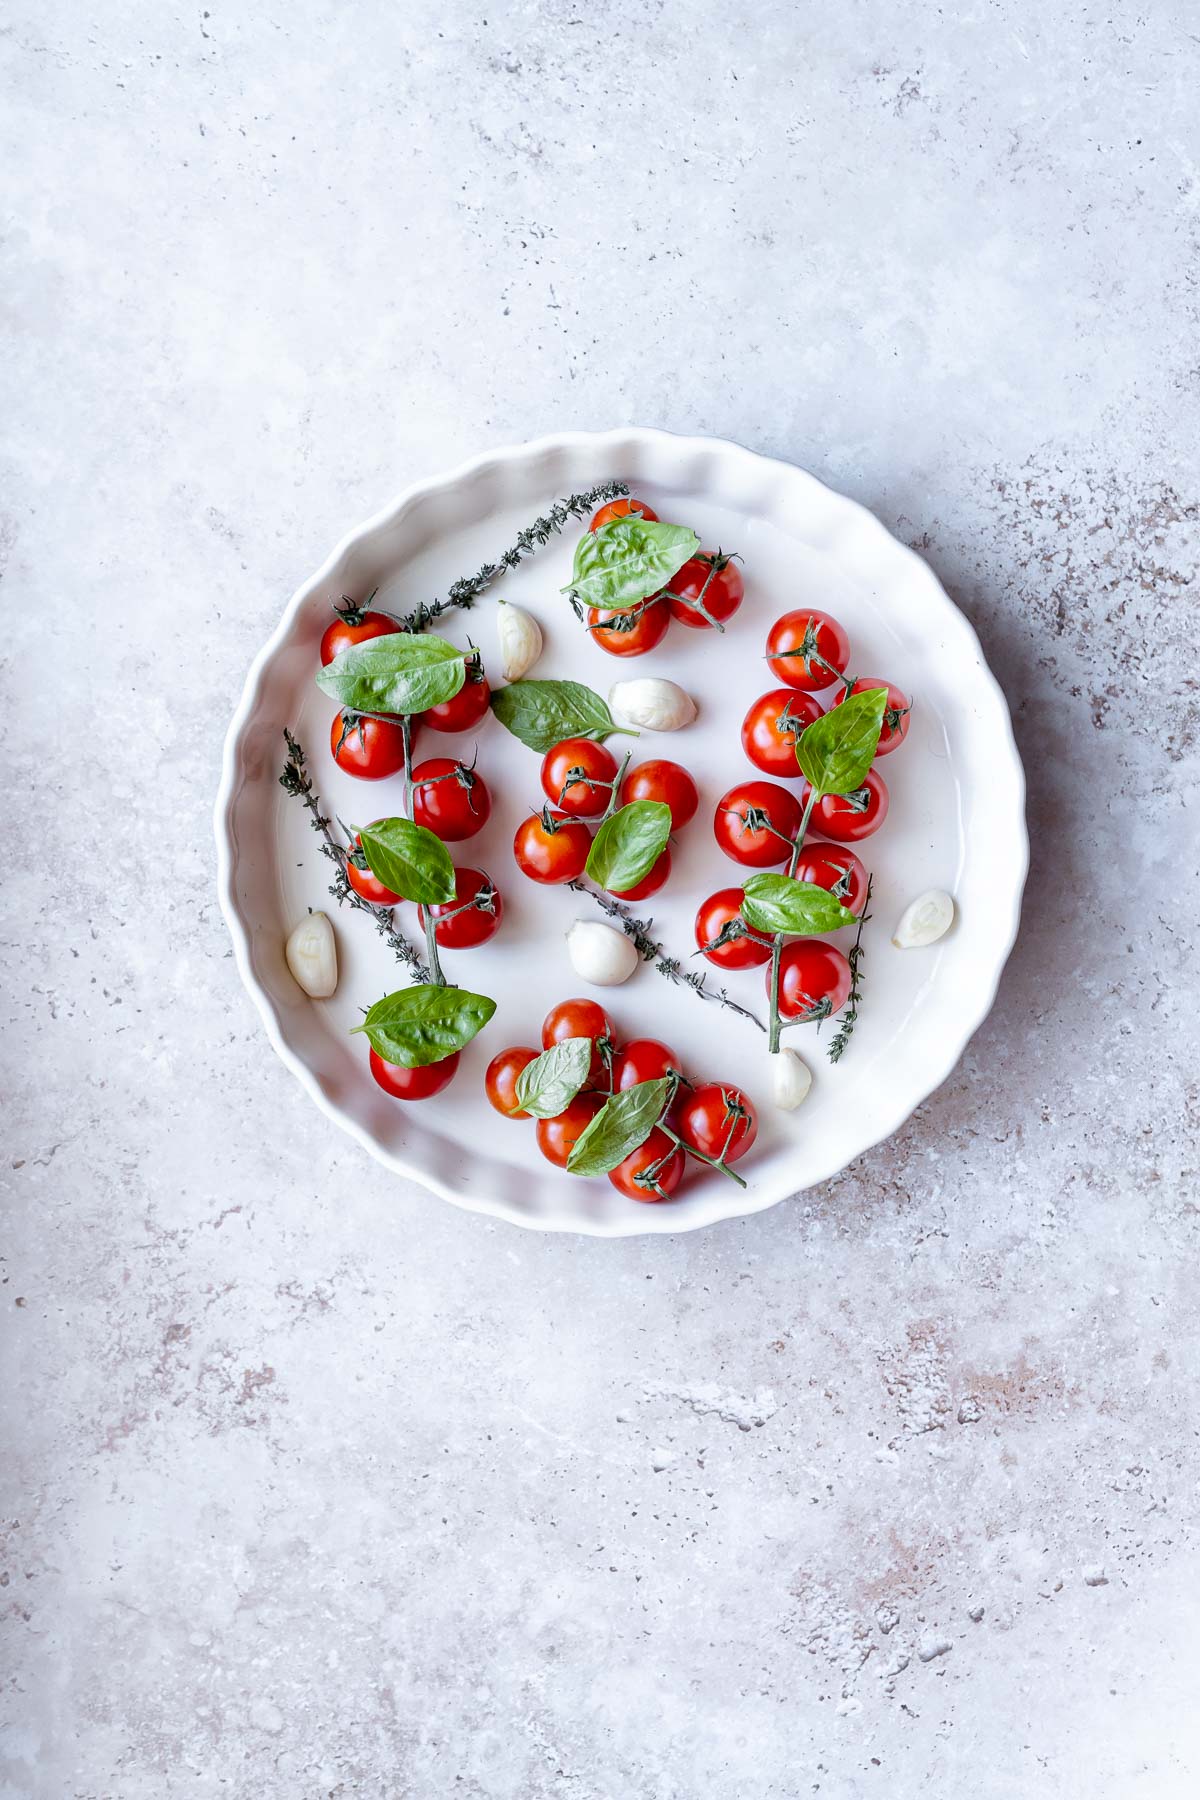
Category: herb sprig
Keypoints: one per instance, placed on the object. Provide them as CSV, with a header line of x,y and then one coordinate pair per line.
x,y
841,1038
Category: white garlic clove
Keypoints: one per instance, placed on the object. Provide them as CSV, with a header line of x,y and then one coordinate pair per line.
x,y
600,954
520,641
791,1080
652,702
311,953
928,918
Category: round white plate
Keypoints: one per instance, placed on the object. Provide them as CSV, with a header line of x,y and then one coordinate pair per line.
x,y
956,821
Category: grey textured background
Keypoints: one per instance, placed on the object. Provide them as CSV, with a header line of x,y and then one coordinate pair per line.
x,y
314,1486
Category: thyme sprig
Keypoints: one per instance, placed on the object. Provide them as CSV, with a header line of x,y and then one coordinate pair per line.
x,y
838,1042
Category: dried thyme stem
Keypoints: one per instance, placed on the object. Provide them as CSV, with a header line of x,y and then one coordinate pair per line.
x,y
838,1043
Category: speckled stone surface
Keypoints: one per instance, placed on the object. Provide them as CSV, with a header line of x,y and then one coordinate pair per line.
x,y
314,1486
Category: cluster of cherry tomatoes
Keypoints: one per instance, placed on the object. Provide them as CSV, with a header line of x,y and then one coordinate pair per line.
x,y
713,1120
578,779
701,595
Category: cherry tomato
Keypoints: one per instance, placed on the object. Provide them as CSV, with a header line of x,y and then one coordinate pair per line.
x,y
468,706
835,867
475,924
665,781
353,625
755,823
630,633
814,980
500,1082
621,509
851,817
413,1084
643,1059
738,952
808,650
580,1018
651,1172
895,713
369,748
658,877
713,582
550,847
717,1120
577,777
556,1137
363,882
449,799
771,727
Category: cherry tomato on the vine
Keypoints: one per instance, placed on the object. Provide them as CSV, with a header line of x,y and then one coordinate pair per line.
x,y
477,910
737,952
621,509
712,582
771,727
895,713
413,1084
577,777
658,877
814,980
665,781
755,823
807,649
354,625
557,1137
718,1120
449,799
651,1172
630,633
371,749
549,847
836,868
500,1082
363,882
643,1059
468,706
851,817
579,1018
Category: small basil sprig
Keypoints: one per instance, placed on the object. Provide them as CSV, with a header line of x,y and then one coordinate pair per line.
x,y
403,672
410,860
628,844
781,903
836,751
420,1025
628,560
547,1085
623,1123
543,713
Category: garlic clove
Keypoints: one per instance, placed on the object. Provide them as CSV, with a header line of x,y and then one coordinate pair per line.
x,y
791,1080
520,640
600,954
311,953
650,701
928,918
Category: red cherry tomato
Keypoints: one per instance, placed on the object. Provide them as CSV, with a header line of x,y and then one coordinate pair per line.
x,y
658,877
717,1120
551,848
580,1018
363,882
711,582
621,509
354,625
836,868
577,777
556,1137
630,633
468,706
814,980
851,817
755,823
651,1172
895,713
665,781
643,1059
369,748
500,1082
449,799
808,650
771,727
474,925
413,1084
737,952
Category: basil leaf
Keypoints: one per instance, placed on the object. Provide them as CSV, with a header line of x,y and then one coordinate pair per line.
x,y
543,713
628,844
781,903
548,1085
410,860
620,1126
836,751
421,1025
622,563
404,672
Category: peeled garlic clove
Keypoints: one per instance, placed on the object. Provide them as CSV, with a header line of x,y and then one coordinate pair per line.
x,y
791,1079
520,641
312,956
650,701
600,953
929,917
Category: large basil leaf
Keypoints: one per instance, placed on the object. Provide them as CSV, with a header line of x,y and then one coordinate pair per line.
x,y
780,903
628,845
421,1025
619,1127
543,713
622,563
410,860
547,1086
404,672
836,751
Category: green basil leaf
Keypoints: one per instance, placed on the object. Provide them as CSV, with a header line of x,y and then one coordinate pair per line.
x,y
622,563
421,1025
836,751
543,713
404,672
781,903
620,1126
410,860
548,1085
628,844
